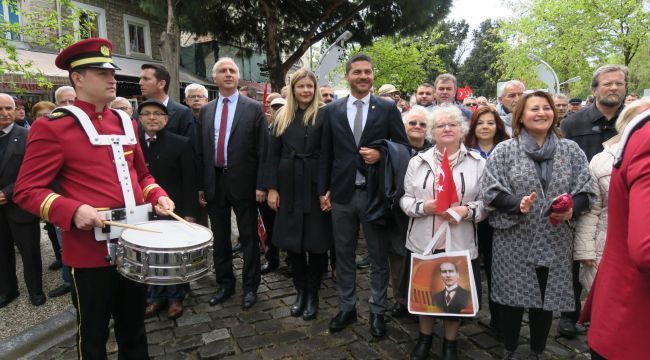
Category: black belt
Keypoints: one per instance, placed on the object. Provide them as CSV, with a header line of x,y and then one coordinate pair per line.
x,y
360,187
222,170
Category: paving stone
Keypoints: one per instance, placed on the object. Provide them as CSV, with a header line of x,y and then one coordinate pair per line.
x,y
329,354
215,335
578,343
267,326
155,350
558,350
362,350
242,330
391,350
396,334
186,343
280,312
472,329
279,352
154,326
203,308
159,336
216,350
287,336
111,347
363,331
317,327
176,356
485,341
254,342
281,292
477,354
342,338
246,356
193,319
228,322
253,316
279,285
191,330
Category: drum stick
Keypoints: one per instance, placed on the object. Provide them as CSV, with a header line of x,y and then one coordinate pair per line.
x,y
127,226
173,214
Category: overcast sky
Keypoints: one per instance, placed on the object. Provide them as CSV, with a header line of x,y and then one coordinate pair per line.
x,y
475,11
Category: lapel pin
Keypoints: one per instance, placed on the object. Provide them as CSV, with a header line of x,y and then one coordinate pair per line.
x,y
373,106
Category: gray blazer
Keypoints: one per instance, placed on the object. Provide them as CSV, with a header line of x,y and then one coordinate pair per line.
x,y
246,145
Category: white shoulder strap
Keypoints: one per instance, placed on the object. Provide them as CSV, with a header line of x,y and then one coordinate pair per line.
x,y
127,139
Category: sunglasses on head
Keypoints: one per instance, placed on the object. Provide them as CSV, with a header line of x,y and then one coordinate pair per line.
x,y
415,123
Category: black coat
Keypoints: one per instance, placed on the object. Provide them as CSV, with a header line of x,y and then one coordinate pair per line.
x,y
245,149
339,152
170,160
292,169
459,302
10,161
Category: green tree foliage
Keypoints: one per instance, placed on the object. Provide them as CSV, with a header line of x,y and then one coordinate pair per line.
x,y
478,70
453,35
405,62
574,38
40,27
285,29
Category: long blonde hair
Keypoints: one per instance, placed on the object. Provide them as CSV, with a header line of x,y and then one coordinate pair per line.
x,y
629,112
288,112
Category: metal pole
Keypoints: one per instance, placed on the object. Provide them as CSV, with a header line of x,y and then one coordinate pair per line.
x,y
538,59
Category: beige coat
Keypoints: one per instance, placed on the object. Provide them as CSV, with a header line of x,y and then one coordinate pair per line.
x,y
418,187
591,228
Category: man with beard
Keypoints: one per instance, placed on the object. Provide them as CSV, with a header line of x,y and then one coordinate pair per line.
x,y
590,128
424,95
594,124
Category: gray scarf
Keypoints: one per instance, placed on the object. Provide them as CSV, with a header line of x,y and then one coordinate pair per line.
x,y
542,155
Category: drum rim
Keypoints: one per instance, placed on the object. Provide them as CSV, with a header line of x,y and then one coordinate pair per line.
x,y
197,246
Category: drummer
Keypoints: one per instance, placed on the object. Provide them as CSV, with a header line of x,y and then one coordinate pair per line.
x,y
84,162
169,158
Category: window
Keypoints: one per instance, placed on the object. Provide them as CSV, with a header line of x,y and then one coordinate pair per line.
x,y
137,36
91,22
9,14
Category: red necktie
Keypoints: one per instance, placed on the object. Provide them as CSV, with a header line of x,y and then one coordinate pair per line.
x,y
223,127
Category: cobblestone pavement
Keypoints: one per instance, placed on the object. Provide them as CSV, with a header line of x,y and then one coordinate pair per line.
x,y
267,331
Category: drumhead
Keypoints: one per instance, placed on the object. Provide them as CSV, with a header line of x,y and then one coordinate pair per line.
x,y
174,234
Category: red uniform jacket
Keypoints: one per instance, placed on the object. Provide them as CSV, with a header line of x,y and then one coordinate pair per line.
x,y
62,170
620,297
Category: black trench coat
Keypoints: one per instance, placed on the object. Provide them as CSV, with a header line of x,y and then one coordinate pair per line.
x,y
292,169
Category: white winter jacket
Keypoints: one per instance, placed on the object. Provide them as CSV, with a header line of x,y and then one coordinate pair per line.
x,y
418,187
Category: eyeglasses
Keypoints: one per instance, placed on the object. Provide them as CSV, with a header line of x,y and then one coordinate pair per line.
x,y
442,126
471,104
415,123
196,97
155,114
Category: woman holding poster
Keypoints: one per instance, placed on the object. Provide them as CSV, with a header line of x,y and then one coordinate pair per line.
x,y
537,182
441,198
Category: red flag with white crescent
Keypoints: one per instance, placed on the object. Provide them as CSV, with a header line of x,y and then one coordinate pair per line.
x,y
446,188
261,231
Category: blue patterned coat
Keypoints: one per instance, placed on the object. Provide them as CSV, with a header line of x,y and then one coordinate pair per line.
x,y
523,242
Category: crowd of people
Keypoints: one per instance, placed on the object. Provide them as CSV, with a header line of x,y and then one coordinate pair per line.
x,y
532,174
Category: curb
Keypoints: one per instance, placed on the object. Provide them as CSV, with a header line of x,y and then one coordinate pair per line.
x,y
40,337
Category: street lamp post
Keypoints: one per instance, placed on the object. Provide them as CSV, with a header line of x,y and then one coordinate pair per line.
x,y
330,59
555,78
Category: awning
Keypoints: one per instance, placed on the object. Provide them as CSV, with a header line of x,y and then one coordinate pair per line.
x,y
44,62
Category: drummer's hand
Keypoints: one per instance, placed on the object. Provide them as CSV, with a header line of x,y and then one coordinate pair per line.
x,y
165,205
260,196
273,200
202,200
190,219
86,217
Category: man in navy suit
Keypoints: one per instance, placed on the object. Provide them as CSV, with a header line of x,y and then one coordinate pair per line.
x,y
16,225
232,135
352,123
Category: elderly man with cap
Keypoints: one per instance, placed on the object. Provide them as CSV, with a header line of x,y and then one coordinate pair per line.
x,y
92,155
388,91
575,105
169,158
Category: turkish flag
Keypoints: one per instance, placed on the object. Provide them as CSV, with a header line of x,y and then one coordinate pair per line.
x,y
446,188
261,230
464,92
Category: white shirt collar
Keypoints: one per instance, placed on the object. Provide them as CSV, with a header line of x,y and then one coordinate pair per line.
x,y
365,99
8,129
451,288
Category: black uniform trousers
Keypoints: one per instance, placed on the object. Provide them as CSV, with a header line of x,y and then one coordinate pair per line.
x,y
246,214
26,236
98,294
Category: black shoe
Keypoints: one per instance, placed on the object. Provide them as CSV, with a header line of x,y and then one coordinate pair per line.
x,y
222,295
299,304
38,299
56,265
422,348
236,248
342,320
567,328
449,350
311,308
268,267
364,263
59,291
398,310
7,299
249,299
377,325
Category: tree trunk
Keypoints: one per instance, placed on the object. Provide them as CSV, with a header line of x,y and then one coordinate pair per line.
x,y
273,56
169,51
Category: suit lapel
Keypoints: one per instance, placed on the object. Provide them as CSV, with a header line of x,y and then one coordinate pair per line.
x,y
12,145
342,114
238,114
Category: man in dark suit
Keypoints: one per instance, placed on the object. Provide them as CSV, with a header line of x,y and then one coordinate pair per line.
x,y
351,124
16,225
154,84
232,137
453,299
169,158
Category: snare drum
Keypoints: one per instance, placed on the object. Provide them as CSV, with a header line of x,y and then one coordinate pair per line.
x,y
179,254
